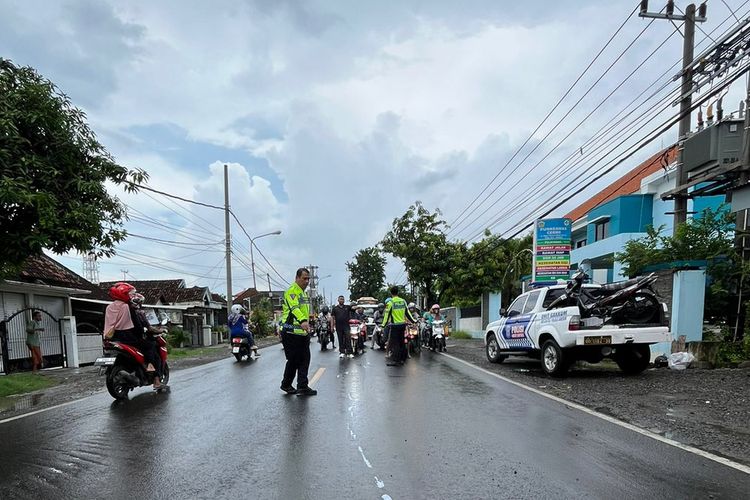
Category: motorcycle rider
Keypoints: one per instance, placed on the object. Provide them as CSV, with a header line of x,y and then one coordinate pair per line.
x,y
152,353
433,315
326,321
239,327
121,324
359,315
378,318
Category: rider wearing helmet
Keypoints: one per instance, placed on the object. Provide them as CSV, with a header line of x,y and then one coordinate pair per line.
x,y
433,314
326,320
239,327
142,324
377,318
121,324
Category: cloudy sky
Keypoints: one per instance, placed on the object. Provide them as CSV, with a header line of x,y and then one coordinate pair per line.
x,y
335,116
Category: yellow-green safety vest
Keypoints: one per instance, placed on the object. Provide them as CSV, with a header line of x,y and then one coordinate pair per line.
x,y
396,312
296,308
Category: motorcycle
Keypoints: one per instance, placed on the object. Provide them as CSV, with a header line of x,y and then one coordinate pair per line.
x,y
379,335
412,340
437,333
627,302
324,334
357,330
126,367
241,348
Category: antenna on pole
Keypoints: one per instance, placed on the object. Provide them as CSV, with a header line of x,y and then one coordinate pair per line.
x,y
91,268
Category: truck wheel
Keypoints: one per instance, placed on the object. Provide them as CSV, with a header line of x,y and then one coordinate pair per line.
x,y
553,359
632,360
493,350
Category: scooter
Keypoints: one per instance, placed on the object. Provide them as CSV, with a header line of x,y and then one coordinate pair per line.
x,y
241,348
356,331
379,335
126,367
413,344
437,335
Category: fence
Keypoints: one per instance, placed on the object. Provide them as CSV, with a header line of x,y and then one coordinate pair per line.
x,y
15,353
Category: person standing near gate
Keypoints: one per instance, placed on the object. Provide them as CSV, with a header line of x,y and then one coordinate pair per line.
x,y
396,314
295,329
33,329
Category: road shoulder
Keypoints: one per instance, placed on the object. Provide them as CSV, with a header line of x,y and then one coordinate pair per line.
x,y
705,409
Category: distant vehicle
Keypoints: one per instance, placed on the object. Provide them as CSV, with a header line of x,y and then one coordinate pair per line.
x,y
369,305
529,327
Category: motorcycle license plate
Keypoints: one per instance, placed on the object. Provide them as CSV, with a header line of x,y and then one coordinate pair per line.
x,y
235,350
600,340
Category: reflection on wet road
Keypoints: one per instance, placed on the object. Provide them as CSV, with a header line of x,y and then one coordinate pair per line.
x,y
431,429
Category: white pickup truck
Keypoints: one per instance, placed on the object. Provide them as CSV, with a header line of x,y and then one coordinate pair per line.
x,y
560,338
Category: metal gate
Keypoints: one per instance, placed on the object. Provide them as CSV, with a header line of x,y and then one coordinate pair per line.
x,y
16,355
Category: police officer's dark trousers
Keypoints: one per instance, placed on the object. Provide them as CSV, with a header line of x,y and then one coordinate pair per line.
x,y
396,343
297,352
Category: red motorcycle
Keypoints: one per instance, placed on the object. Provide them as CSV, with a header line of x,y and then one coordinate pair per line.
x,y
126,366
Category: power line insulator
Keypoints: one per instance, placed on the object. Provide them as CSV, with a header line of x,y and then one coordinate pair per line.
x,y
702,10
644,6
670,7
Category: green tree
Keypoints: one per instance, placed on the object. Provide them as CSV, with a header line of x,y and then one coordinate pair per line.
x,y
53,172
260,317
709,237
418,239
492,264
366,273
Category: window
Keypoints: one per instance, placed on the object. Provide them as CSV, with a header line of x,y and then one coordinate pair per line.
x,y
517,306
531,302
602,230
551,296
581,243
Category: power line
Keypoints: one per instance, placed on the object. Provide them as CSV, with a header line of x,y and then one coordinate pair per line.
x,y
653,136
504,214
172,242
169,195
544,120
256,246
596,108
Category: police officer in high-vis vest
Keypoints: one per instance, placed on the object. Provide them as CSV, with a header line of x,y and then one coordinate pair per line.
x,y
396,314
295,326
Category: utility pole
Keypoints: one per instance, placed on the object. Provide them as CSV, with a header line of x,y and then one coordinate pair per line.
x,y
688,46
313,285
268,276
741,222
228,240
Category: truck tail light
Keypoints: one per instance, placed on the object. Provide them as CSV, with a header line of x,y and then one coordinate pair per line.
x,y
574,323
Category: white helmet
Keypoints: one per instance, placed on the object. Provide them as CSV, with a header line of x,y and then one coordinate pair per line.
x,y
412,305
237,309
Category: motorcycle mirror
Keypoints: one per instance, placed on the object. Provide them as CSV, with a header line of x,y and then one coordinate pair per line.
x,y
164,321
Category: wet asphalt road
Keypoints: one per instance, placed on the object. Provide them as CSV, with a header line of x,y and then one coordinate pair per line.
x,y
431,429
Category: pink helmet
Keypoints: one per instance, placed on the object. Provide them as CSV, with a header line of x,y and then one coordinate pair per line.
x,y
434,306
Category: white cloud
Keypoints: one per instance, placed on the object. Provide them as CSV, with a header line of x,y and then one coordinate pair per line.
x,y
360,108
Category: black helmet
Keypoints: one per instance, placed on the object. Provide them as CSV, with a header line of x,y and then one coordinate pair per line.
x,y
325,310
381,307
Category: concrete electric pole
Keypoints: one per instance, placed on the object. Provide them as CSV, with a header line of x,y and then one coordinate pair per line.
x,y
228,240
688,47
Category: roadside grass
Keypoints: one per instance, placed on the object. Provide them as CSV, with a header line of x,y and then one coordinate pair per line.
x,y
460,334
21,383
190,352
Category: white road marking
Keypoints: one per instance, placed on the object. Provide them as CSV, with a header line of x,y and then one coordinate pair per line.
x,y
316,377
380,483
676,444
367,462
386,497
